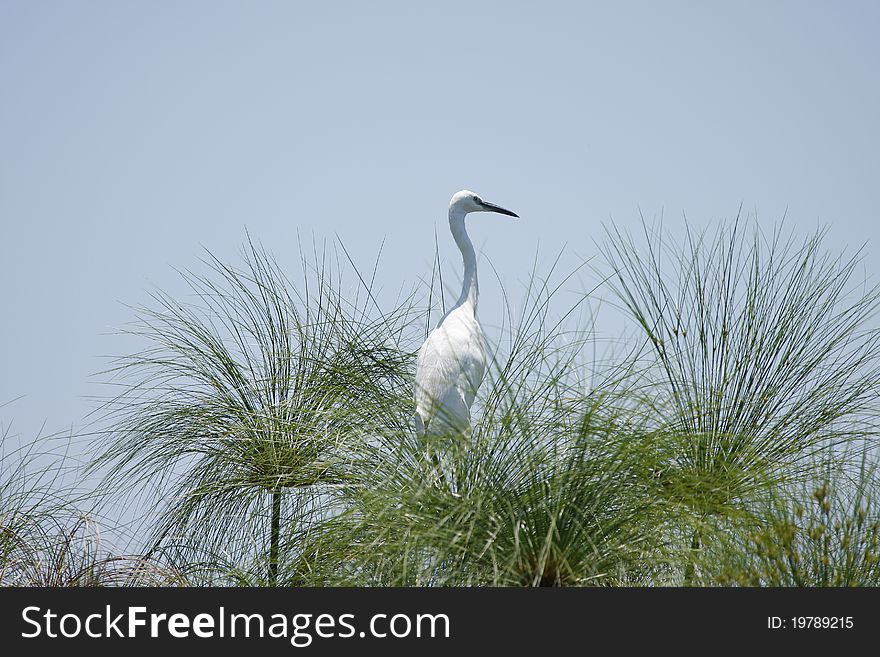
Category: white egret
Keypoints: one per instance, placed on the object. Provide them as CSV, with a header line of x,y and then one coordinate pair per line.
x,y
452,361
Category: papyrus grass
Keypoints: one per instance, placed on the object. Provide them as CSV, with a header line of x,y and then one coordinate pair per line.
x,y
250,406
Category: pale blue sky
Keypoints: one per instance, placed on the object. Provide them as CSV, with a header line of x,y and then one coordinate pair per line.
x,y
134,133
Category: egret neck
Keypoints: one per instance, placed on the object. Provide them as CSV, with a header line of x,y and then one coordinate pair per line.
x,y
469,288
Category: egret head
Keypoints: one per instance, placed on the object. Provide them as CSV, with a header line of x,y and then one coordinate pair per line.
x,y
466,201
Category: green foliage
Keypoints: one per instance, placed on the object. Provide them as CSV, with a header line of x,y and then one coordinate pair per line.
x,y
549,488
246,409
45,540
761,353
821,533
265,435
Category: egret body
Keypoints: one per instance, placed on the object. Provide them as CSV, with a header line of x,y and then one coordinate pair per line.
x,y
452,361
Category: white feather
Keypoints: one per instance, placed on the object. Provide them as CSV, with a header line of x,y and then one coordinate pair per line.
x,y
452,361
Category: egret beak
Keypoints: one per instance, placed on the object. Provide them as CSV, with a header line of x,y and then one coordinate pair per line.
x,y
491,207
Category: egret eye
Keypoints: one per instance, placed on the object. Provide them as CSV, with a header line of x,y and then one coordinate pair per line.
x,y
478,200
